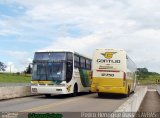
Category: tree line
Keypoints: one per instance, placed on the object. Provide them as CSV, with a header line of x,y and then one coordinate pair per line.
x,y
28,70
143,73
2,66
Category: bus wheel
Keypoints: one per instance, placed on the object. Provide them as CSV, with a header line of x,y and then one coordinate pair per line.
x,y
48,95
128,93
100,95
75,91
134,89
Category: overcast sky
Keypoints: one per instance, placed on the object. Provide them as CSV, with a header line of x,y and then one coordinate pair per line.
x,y
81,25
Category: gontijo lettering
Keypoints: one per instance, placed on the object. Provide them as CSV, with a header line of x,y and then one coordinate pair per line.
x,y
108,61
108,56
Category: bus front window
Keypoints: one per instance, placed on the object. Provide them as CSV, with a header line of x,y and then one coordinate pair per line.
x,y
56,71
48,71
39,71
49,66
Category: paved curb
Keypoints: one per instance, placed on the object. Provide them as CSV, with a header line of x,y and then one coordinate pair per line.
x,y
134,102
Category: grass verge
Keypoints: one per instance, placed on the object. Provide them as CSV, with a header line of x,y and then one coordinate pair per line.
x,y
14,78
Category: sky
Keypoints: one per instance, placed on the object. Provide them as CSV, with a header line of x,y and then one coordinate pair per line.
x,y
27,26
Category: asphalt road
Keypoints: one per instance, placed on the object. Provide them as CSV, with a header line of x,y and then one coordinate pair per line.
x,y
63,103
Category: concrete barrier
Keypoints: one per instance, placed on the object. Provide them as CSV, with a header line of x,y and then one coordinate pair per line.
x,y
14,91
134,102
158,88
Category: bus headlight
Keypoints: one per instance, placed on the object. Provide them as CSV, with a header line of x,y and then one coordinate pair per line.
x,y
34,90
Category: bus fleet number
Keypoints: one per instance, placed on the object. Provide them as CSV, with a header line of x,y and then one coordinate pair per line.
x,y
106,74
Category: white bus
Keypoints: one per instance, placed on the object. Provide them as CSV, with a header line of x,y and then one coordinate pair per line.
x,y
113,72
60,72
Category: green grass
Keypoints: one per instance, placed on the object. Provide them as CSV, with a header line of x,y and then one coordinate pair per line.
x,y
14,78
151,79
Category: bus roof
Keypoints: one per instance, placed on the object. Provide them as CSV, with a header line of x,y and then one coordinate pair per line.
x,y
110,49
55,50
42,51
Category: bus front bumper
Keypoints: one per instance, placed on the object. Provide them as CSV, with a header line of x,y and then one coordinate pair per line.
x,y
48,90
108,89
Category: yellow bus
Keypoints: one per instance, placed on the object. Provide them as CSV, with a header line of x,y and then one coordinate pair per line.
x,y
113,72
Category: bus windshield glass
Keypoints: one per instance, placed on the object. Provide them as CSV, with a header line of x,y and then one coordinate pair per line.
x,y
49,66
48,71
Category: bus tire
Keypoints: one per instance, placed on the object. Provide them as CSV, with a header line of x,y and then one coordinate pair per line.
x,y
134,89
128,93
48,95
75,91
100,95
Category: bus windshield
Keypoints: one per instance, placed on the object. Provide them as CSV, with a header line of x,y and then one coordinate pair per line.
x,y
49,71
49,66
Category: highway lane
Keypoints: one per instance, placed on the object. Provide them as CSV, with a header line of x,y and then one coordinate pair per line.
x,y
63,103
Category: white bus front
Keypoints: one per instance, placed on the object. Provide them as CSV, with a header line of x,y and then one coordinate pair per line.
x,y
51,72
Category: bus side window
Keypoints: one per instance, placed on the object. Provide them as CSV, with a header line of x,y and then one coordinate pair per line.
x,y
88,64
69,71
82,63
69,56
76,61
69,68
